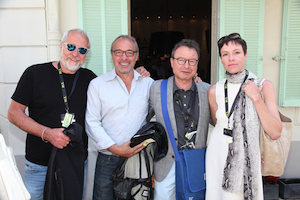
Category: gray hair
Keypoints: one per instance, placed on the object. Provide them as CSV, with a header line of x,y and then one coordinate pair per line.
x,y
125,37
77,30
192,44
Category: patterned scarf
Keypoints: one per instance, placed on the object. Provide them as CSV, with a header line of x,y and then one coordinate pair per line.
x,y
241,168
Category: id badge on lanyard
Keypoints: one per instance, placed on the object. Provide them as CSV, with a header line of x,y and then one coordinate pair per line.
x,y
67,118
189,144
227,132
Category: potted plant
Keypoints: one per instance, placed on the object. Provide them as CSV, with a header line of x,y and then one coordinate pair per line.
x,y
270,187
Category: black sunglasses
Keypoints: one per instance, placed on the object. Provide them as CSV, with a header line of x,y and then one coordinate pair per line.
x,y
233,36
72,47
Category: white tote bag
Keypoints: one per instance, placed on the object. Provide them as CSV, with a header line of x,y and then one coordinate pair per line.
x,y
11,183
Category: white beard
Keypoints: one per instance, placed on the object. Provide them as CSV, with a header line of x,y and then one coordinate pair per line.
x,y
69,65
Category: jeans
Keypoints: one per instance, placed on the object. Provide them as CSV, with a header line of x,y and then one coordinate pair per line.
x,y
35,176
103,186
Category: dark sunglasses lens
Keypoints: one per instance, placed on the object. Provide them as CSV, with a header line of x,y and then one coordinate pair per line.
x,y
71,47
82,50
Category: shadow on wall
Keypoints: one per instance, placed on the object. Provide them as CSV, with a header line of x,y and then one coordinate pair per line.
x,y
292,169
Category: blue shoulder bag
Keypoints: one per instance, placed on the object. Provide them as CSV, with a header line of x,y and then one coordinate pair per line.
x,y
190,164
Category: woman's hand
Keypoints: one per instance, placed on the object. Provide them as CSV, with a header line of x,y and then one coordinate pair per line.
x,y
252,91
262,160
266,107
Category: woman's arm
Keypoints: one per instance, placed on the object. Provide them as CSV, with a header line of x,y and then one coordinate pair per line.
x,y
266,108
212,103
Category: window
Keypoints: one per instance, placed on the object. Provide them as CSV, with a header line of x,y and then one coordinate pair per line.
x,y
245,17
289,89
103,20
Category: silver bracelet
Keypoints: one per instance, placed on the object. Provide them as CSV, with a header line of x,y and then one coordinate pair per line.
x,y
43,135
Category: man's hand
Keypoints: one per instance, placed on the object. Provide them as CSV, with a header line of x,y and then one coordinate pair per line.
x,y
56,137
142,71
16,115
125,150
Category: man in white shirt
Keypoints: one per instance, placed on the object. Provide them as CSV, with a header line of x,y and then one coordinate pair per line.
x,y
117,107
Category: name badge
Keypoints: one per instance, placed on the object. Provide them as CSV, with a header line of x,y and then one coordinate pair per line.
x,y
228,135
190,135
67,119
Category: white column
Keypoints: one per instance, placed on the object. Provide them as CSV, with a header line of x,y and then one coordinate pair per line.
x,y
53,31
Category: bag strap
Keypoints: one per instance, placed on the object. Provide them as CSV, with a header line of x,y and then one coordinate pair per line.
x,y
148,182
163,94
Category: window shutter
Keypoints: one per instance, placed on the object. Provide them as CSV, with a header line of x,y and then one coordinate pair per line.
x,y
103,20
245,17
289,89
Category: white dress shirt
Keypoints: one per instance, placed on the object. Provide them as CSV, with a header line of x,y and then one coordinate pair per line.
x,y
113,115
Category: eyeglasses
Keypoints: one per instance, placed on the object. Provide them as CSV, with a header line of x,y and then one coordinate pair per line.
x,y
128,53
182,61
233,36
72,47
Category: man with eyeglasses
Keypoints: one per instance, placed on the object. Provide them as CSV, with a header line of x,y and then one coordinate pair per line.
x,y
52,90
117,107
188,110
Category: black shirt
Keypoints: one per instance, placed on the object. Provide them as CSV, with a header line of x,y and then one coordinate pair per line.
x,y
39,88
182,103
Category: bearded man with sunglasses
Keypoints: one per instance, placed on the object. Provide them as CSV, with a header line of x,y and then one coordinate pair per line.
x,y
40,89
51,90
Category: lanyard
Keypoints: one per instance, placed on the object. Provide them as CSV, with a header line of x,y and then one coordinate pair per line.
x,y
191,105
235,100
63,86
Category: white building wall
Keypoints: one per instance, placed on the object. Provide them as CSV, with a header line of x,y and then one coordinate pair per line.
x,y
30,33
23,42
271,71
272,48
